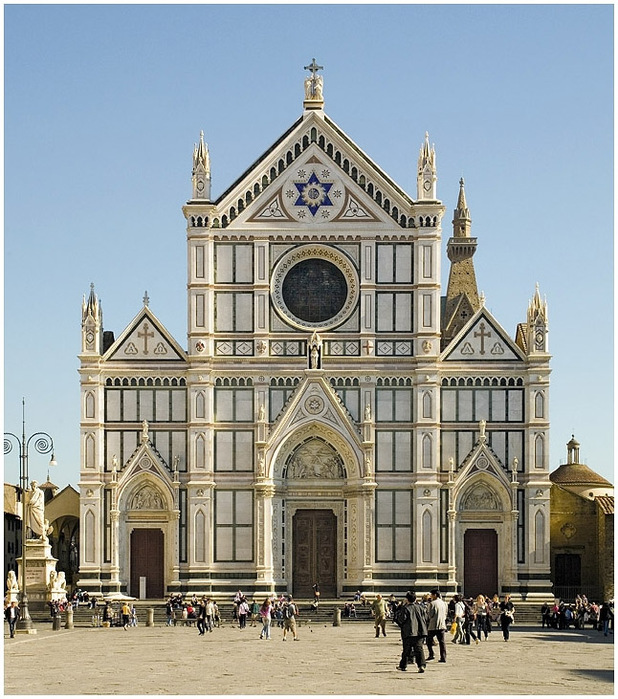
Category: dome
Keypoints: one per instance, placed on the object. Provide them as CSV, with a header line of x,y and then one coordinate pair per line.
x,y
577,474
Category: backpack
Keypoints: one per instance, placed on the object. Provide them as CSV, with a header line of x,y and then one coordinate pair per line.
x,y
402,615
288,611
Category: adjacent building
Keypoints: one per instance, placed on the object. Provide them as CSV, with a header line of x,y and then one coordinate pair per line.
x,y
333,415
582,530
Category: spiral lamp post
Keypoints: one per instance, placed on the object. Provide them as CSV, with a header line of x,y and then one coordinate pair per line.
x,y
44,444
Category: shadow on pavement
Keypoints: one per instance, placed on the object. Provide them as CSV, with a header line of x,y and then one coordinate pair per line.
x,y
572,637
600,675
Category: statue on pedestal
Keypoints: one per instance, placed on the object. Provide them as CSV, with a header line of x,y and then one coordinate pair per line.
x,y
12,588
57,586
35,512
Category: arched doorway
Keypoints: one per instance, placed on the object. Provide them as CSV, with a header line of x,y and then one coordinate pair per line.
x,y
314,542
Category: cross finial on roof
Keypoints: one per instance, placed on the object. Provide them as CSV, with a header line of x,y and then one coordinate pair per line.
x,y
146,298
314,67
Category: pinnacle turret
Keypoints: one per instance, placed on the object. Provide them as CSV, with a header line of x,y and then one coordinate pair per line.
x,y
537,324
201,170
427,174
92,323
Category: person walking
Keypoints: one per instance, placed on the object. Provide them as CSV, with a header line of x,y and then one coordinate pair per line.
x,y
605,616
212,615
410,618
255,612
265,616
507,609
481,615
201,617
459,614
378,610
290,611
438,610
243,612
12,613
126,615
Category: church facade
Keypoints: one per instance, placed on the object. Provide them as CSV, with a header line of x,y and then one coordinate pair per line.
x,y
334,417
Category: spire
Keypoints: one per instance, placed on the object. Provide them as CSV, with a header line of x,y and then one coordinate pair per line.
x,y
462,296
92,322
91,307
314,87
426,175
537,324
201,170
462,222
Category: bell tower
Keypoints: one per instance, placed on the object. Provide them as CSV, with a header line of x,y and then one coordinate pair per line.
x,y
462,296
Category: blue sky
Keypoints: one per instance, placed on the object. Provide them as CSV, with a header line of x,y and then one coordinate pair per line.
x,y
103,104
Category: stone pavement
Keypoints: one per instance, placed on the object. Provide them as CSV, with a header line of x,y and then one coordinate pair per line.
x,y
325,660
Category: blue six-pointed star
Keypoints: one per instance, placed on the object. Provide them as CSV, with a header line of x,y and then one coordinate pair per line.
x,y
313,194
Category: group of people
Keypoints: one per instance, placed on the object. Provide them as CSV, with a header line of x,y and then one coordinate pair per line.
x,y
423,622
204,612
561,615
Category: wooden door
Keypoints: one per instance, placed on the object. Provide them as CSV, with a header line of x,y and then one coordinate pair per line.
x,y
314,547
480,562
147,561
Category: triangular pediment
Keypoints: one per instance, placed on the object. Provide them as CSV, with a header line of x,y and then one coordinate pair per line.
x,y
314,175
315,400
145,339
314,191
145,460
482,460
482,339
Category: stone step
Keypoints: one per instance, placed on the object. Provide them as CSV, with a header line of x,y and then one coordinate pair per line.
x,y
527,614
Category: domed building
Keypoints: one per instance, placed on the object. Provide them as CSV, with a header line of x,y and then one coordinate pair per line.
x,y
582,530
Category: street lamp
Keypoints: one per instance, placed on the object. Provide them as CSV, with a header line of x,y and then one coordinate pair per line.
x,y
44,444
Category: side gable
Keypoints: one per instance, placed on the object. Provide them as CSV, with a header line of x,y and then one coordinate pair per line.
x,y
482,339
145,339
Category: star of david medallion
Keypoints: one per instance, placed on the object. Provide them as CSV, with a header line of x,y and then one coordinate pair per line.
x,y
313,194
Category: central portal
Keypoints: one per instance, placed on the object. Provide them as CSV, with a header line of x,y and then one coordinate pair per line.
x,y
147,562
314,546
480,562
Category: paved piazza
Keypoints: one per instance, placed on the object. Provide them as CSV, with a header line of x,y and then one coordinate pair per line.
x,y
325,660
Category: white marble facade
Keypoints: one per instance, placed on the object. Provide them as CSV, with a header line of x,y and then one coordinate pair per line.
x,y
314,425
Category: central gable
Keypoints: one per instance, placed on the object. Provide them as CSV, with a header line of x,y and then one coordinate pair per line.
x,y
314,174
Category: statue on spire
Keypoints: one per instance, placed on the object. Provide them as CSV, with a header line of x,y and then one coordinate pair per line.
x,y
314,84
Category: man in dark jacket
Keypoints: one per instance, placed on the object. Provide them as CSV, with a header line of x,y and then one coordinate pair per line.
x,y
12,614
413,631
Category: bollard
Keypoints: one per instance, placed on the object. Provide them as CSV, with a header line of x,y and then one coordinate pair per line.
x,y
150,619
337,617
69,621
56,623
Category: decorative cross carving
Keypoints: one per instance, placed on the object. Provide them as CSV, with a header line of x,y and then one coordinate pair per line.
x,y
482,335
145,335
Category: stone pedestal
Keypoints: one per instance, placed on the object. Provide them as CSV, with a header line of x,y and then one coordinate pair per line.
x,y
39,564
